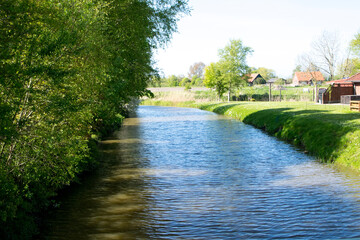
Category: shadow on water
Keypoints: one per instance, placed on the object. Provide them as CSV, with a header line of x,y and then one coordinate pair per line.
x,y
204,179
105,204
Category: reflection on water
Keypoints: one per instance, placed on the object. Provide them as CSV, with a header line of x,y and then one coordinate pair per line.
x,y
175,173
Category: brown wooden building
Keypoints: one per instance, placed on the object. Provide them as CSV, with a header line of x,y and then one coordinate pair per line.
x,y
356,81
342,91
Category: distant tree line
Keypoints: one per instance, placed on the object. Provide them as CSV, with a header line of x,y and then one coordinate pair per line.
x,y
195,77
69,71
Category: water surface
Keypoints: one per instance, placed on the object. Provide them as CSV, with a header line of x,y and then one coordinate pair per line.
x,y
178,173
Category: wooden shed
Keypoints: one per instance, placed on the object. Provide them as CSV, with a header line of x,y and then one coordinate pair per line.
x,y
334,92
356,81
342,91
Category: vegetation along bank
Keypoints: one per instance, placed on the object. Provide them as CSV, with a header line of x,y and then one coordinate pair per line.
x,y
329,132
70,70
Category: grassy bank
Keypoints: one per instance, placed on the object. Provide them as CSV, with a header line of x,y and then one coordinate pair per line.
x,y
328,132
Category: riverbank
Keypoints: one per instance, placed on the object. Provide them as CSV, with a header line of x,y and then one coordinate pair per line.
x,y
328,132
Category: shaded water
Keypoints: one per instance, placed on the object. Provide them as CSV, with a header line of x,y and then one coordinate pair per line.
x,y
177,173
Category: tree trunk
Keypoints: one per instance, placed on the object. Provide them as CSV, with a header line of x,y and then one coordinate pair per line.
x,y
229,92
269,92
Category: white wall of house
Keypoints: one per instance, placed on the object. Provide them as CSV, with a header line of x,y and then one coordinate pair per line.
x,y
295,80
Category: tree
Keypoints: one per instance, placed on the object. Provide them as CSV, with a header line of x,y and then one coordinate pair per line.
x,y
355,45
196,70
173,81
69,71
348,67
298,68
213,78
266,73
352,65
233,65
185,81
325,51
308,64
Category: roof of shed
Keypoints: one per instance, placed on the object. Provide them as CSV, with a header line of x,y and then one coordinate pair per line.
x,y
356,77
345,80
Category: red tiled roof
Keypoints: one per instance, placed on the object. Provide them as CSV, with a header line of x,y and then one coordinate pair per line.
x,y
351,79
356,77
345,80
307,76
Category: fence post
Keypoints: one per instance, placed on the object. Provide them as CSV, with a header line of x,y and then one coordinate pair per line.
x,y
269,92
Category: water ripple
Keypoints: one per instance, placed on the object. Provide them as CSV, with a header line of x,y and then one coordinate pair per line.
x,y
177,173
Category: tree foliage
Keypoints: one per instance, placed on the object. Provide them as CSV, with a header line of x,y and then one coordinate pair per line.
x,y
69,70
348,68
355,45
231,70
213,78
266,73
352,65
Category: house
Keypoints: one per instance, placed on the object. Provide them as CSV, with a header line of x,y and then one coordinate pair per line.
x,y
307,78
356,81
343,90
337,90
255,78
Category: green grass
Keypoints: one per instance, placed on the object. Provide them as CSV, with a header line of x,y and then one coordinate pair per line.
x,y
288,93
331,133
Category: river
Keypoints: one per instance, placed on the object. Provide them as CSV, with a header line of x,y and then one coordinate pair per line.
x,y
179,173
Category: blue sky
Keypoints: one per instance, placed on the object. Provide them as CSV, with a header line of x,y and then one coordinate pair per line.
x,y
277,30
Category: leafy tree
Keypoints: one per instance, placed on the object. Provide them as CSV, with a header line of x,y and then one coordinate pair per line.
x,y
233,64
348,67
355,45
173,81
185,81
69,70
266,73
196,81
213,78
259,80
298,68
280,81
352,65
